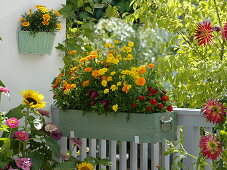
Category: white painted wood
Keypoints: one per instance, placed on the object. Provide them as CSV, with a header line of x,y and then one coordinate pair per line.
x,y
144,156
71,146
165,159
155,156
133,155
113,154
123,156
83,149
102,151
92,147
63,144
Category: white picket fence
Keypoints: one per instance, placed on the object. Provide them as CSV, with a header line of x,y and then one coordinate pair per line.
x,y
144,156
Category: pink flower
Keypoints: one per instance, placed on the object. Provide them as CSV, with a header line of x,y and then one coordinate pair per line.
x,y
23,163
50,127
21,135
224,31
210,147
65,157
76,142
12,122
214,111
56,135
203,33
4,89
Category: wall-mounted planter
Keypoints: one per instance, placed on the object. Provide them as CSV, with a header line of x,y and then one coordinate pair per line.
x,y
40,43
140,128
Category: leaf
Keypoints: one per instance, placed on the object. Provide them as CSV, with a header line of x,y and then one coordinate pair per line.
x,y
99,5
88,9
53,145
105,162
66,165
16,112
36,160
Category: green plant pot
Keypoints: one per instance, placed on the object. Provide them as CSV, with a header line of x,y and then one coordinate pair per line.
x,y
40,43
139,128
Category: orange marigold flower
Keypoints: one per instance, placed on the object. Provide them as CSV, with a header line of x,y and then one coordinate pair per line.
x,y
95,73
150,65
83,59
126,88
55,85
22,19
25,24
88,69
140,81
104,77
85,83
94,53
142,70
72,52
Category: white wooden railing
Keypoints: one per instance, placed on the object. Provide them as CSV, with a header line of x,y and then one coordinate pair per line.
x,y
144,156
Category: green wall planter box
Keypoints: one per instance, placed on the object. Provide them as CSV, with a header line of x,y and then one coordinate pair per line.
x,y
40,43
139,128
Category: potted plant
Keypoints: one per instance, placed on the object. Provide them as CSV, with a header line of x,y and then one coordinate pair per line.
x,y
131,103
37,30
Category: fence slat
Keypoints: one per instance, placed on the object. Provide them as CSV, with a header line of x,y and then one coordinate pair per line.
x,y
102,151
133,155
83,149
72,135
123,156
92,147
144,156
155,155
63,144
165,159
113,154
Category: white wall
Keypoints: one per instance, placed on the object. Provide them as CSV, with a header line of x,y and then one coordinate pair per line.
x,y
20,72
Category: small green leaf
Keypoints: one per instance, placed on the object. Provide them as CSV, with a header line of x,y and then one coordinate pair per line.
x,y
66,165
53,145
16,112
36,159
88,9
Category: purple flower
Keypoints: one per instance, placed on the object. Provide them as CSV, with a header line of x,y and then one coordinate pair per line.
x,y
23,163
56,135
44,112
105,102
65,157
76,142
94,94
50,127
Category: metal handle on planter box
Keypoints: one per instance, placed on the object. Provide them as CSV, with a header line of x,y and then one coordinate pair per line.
x,y
166,123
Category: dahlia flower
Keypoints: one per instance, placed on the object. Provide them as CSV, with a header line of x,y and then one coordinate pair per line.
x,y
224,31
210,147
214,111
203,33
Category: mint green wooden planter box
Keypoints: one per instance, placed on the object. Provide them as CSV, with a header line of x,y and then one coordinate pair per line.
x,y
40,43
139,128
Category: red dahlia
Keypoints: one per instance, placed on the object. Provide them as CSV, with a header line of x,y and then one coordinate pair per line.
x,y
165,98
160,105
214,111
224,31
152,90
148,108
153,101
210,147
169,108
203,33
141,97
134,105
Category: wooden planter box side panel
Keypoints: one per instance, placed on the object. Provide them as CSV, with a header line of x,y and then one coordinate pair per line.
x,y
142,128
40,43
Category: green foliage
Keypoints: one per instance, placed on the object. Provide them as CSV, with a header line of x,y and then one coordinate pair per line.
x,y
40,20
194,73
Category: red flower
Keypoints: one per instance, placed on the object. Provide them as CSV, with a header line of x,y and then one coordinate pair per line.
x,y
148,108
169,108
152,90
160,105
165,98
210,147
203,33
134,105
224,31
214,111
153,101
141,97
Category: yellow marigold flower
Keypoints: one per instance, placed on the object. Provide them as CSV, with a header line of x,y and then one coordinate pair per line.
x,y
150,65
130,44
115,107
45,22
106,91
103,71
141,70
30,13
107,45
140,81
43,9
110,55
112,46
125,72
110,78
73,68
25,24
88,69
72,52
115,61
119,57
95,73
85,83
22,19
128,49
46,17
38,6
104,83
129,57
112,73
57,13
118,83
59,27
94,53
30,10
113,87
116,42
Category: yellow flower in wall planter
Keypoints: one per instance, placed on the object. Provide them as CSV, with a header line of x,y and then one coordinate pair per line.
x,y
37,30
